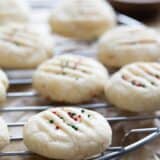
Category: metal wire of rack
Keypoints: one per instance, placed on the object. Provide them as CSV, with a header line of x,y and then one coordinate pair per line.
x,y
111,153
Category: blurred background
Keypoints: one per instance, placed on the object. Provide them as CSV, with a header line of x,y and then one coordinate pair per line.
x,y
147,11
141,9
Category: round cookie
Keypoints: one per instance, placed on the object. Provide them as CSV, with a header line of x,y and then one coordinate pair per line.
x,y
13,11
23,47
136,87
82,19
127,44
67,133
70,79
3,86
4,134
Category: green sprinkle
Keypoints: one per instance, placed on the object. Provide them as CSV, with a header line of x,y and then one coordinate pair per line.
x,y
63,72
73,126
152,83
89,115
51,121
62,118
142,85
82,110
17,43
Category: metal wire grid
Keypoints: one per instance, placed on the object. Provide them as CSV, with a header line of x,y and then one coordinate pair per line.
x,y
111,152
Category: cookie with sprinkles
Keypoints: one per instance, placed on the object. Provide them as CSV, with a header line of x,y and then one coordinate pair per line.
x,y
136,87
67,133
70,79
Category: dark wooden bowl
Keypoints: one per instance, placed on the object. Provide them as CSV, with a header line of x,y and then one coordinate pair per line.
x,y
137,8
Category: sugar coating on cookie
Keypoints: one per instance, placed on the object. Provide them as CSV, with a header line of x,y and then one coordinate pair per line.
x,y
67,133
14,11
82,19
4,83
23,47
70,79
4,134
127,44
136,87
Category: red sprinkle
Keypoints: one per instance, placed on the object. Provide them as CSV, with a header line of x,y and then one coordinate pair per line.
x,y
71,115
157,76
54,112
74,116
138,84
57,127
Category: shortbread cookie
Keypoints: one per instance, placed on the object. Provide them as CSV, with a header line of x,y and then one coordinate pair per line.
x,y
136,87
82,19
23,47
70,79
4,134
67,133
127,44
3,86
13,11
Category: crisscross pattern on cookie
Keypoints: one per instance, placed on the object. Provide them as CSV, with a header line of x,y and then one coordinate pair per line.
x,y
73,67
76,131
134,36
142,75
63,123
138,42
19,36
67,118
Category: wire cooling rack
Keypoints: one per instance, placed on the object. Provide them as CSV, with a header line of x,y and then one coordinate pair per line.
x,y
113,152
